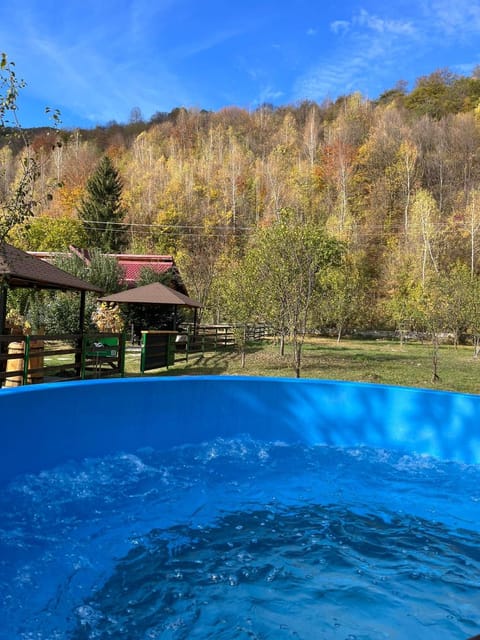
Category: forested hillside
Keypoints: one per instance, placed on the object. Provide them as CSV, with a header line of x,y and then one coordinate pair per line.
x,y
396,180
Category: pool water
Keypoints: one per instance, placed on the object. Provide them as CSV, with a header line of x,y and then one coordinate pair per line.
x,y
243,539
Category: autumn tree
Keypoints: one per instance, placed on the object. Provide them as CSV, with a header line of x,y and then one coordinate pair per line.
x,y
472,225
423,234
277,170
342,296
239,297
434,94
289,258
396,178
198,262
402,306
456,287
343,138
146,178
434,314
79,158
405,169
20,202
43,233
474,314
432,141
101,209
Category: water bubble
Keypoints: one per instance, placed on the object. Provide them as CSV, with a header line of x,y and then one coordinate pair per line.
x,y
87,615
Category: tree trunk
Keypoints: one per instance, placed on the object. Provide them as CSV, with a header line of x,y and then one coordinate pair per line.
x,y
435,357
244,345
476,346
456,338
297,358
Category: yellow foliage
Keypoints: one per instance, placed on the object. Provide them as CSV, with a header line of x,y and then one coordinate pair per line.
x,y
108,319
17,323
69,199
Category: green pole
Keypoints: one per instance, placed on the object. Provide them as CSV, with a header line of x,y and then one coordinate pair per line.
x,y
80,357
83,356
26,359
143,352
122,346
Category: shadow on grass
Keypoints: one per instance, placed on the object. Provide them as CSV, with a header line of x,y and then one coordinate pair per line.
x,y
329,357
215,363
388,363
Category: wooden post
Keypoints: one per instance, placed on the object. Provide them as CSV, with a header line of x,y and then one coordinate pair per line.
x,y
3,318
175,317
3,308
195,319
122,341
80,341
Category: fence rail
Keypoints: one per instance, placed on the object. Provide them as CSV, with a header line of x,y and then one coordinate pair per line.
x,y
211,337
47,358
60,357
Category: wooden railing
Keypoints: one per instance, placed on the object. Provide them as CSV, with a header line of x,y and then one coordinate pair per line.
x,y
213,337
210,337
50,358
53,358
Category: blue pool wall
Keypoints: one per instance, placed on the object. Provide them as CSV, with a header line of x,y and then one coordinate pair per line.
x,y
48,424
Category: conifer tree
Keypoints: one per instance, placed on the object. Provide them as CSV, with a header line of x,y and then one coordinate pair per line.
x,y
101,209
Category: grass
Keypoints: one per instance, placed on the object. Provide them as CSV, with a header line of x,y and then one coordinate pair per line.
x,y
377,361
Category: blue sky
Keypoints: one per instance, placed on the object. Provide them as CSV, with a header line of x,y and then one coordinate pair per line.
x,y
97,60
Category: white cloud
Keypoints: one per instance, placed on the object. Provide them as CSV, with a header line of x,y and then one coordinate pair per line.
x,y
97,71
461,17
370,48
366,20
267,94
381,25
340,26
213,40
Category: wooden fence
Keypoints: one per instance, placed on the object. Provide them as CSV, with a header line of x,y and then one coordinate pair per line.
x,y
51,358
55,358
212,337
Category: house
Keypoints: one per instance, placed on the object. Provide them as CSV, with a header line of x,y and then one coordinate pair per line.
x,y
131,264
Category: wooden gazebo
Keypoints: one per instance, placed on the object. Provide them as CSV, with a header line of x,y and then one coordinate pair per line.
x,y
158,347
154,294
18,269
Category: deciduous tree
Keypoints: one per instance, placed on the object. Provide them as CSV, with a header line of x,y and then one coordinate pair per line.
x,y
239,296
20,203
342,296
289,258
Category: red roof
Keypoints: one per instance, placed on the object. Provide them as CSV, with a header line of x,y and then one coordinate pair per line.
x,y
132,265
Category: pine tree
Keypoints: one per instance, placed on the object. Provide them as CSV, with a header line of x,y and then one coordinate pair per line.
x,y
101,209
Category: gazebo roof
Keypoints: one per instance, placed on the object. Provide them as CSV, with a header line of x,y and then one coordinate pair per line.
x,y
19,269
155,293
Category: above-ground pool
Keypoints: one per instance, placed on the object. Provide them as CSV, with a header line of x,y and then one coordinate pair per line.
x,y
211,507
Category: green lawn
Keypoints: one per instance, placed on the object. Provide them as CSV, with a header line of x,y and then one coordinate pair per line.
x,y
380,361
